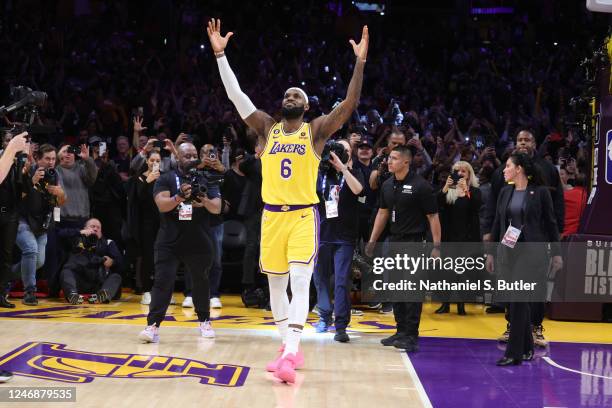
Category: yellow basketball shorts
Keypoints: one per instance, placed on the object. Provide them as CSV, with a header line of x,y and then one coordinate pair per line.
x,y
289,235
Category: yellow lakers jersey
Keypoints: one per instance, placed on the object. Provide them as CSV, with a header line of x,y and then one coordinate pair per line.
x,y
289,166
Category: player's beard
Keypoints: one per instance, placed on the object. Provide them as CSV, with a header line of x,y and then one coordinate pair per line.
x,y
292,113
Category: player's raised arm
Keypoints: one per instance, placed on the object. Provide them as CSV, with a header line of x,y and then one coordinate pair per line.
x,y
259,121
324,126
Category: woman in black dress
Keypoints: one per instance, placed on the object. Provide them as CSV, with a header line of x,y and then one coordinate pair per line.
x,y
524,209
458,203
145,223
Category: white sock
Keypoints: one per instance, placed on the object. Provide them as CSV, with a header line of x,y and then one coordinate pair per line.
x,y
298,308
279,303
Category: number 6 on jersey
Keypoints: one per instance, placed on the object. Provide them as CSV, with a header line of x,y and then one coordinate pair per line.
x,y
286,168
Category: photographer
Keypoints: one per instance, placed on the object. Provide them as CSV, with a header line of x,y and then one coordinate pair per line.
x,y
184,200
397,137
40,206
338,188
251,206
459,203
210,163
10,190
93,267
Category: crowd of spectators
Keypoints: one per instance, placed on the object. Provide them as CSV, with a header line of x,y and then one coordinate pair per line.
x,y
126,74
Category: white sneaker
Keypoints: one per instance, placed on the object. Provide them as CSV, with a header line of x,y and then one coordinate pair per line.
x,y
146,298
173,300
150,334
206,330
188,302
215,303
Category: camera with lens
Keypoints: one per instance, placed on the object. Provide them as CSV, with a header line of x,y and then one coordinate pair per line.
x,y
198,183
455,176
325,165
50,177
88,242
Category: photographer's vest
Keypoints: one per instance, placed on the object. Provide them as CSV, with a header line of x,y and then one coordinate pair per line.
x,y
289,167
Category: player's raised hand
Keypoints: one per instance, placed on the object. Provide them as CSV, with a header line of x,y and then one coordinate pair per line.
x,y
361,49
217,41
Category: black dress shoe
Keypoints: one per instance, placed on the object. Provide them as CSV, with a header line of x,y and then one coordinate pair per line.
x,y
495,309
5,303
408,343
461,309
528,356
444,308
341,336
388,341
507,361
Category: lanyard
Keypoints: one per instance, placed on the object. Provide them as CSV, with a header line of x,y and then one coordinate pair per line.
x,y
178,184
324,183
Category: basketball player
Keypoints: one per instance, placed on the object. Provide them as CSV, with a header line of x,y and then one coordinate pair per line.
x,y
290,161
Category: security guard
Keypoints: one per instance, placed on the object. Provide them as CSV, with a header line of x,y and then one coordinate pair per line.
x,y
407,201
183,236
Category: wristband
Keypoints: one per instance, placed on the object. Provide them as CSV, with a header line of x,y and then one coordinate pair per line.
x,y
219,54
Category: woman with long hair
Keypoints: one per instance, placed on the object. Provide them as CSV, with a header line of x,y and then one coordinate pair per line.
x,y
524,214
144,222
459,202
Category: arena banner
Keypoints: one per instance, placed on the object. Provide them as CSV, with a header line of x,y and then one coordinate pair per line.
x,y
587,275
597,217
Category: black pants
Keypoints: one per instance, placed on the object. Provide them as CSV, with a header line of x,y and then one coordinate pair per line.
x,y
146,270
407,314
73,281
9,221
250,262
521,340
166,264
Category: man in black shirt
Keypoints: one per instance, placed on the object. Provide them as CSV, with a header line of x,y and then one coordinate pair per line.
x,y
408,201
338,190
39,207
8,218
183,236
10,194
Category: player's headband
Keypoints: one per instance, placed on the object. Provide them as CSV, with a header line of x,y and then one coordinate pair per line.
x,y
301,91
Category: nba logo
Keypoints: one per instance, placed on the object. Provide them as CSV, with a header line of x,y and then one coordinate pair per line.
x,y
609,157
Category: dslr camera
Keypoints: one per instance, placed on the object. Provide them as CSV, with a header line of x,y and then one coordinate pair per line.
x,y
200,181
87,242
332,146
455,176
50,177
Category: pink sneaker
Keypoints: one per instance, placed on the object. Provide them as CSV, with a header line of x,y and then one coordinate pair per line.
x,y
150,334
286,369
206,330
273,365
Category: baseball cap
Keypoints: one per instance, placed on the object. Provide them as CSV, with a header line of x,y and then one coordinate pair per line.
x,y
365,142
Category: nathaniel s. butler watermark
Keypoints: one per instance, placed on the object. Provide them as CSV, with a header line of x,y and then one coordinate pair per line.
x,y
443,285
408,272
